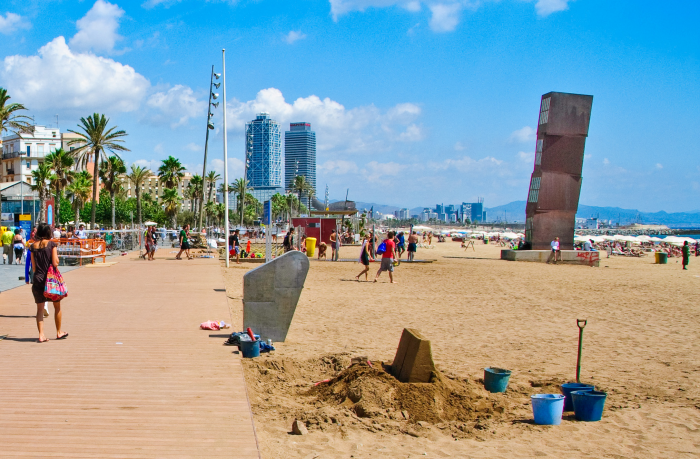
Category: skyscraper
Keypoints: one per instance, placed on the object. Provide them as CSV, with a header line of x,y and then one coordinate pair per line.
x,y
264,151
299,154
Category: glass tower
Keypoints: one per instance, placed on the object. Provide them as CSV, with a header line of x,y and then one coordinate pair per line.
x,y
264,153
299,154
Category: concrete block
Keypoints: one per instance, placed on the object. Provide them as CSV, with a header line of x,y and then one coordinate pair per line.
x,y
414,358
568,257
271,293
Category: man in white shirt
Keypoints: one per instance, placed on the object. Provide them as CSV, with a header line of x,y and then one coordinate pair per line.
x,y
556,253
56,232
81,233
587,246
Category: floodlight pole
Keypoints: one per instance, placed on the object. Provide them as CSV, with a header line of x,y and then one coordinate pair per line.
x,y
206,145
226,224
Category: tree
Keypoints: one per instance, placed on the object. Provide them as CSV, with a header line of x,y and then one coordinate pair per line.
x,y
300,185
240,187
171,172
195,190
10,120
61,162
97,141
279,205
171,203
212,178
40,178
310,193
79,192
137,176
110,173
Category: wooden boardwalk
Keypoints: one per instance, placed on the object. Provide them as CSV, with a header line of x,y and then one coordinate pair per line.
x,y
136,378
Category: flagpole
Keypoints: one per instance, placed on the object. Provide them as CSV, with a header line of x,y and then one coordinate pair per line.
x,y
226,225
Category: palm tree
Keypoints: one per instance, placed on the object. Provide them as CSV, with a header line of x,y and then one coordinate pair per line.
x,y
79,191
210,209
212,178
9,119
171,172
300,185
40,179
97,141
137,176
61,163
220,212
240,187
195,189
310,193
110,173
171,203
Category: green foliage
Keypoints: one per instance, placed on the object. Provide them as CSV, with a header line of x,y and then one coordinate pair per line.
x,y
171,172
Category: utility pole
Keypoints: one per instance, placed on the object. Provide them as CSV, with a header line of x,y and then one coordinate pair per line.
x,y
226,224
210,125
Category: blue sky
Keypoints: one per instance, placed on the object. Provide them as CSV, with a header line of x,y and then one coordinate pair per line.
x,y
413,102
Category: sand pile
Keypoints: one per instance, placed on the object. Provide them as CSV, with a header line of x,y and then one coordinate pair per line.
x,y
350,394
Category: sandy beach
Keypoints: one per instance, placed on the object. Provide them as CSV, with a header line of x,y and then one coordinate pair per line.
x,y
641,346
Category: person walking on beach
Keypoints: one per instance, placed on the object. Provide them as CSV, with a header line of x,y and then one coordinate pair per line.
x,y
334,244
235,244
400,245
364,259
7,246
288,242
686,254
184,243
556,253
19,244
412,245
388,258
44,254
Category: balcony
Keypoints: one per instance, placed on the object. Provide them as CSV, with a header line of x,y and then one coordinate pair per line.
x,y
14,154
10,172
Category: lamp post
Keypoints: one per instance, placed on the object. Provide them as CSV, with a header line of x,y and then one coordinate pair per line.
x,y
248,155
210,125
226,224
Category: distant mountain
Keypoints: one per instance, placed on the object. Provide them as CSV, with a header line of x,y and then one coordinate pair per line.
x,y
515,212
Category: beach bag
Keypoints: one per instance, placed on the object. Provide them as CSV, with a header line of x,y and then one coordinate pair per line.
x,y
381,248
55,289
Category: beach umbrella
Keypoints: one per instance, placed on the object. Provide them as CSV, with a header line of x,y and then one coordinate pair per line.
x,y
580,238
150,224
422,228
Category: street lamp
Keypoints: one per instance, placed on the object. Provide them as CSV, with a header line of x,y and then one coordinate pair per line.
x,y
210,126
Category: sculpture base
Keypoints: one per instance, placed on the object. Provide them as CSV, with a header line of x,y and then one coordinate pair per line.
x,y
568,257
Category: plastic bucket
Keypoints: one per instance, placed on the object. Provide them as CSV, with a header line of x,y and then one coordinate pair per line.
x,y
496,379
661,258
250,349
568,388
588,404
547,408
310,246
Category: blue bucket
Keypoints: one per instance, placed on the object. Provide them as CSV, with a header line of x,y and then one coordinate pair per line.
x,y
568,388
588,404
547,408
250,349
496,379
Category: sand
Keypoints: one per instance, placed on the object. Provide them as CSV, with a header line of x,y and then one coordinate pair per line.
x,y
640,345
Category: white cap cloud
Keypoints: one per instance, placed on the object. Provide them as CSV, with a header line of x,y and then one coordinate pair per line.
x,y
97,30
11,22
179,100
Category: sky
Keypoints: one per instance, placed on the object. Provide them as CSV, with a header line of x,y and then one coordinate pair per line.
x,y
413,102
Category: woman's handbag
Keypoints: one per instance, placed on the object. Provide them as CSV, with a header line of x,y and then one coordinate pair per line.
x,y
55,289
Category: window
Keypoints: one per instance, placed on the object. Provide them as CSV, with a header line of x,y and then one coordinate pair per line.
x,y
29,164
534,189
544,111
538,152
29,150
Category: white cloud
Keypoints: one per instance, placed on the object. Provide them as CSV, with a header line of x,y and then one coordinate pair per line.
x,y
413,133
97,30
445,16
459,146
341,7
606,161
524,134
338,167
375,171
178,102
235,168
659,166
193,147
158,148
360,129
466,164
57,77
293,36
526,157
152,164
547,7
12,22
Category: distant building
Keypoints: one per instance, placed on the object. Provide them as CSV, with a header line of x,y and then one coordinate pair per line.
x,y
299,154
154,187
401,214
264,153
22,152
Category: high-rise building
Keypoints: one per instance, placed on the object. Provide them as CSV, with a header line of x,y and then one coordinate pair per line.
x,y
299,154
264,153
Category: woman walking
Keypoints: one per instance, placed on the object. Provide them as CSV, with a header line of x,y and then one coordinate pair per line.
x,y
18,244
44,254
364,258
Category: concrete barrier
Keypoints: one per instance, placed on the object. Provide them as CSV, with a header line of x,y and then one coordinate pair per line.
x,y
414,358
271,293
568,257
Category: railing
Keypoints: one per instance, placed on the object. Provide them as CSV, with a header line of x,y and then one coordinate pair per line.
x,y
10,172
14,154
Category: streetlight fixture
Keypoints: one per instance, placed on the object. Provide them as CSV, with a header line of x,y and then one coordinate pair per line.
x,y
210,125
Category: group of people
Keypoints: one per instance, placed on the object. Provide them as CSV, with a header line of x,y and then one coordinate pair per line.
x,y
390,249
14,242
